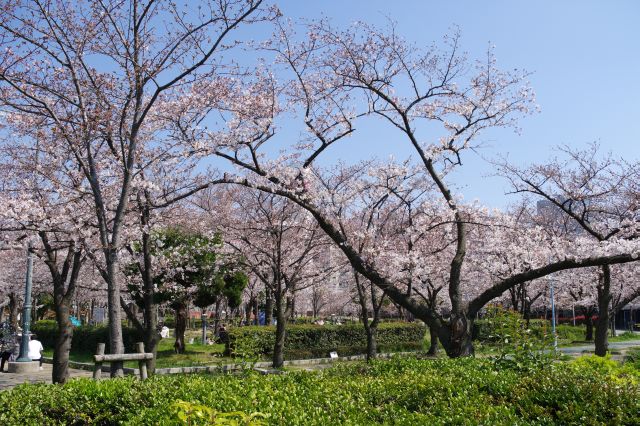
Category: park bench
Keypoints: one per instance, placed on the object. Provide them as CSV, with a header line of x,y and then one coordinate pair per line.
x,y
141,356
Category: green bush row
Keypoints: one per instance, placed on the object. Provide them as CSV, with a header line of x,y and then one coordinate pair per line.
x,y
85,338
307,340
485,330
400,392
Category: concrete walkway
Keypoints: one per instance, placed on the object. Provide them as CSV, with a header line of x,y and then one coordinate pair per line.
x,y
578,349
10,380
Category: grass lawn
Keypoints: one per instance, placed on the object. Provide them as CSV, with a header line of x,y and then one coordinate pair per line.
x,y
195,354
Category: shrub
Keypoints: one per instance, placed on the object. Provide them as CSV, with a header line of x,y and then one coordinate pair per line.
x,y
632,358
309,340
484,330
400,391
85,338
519,347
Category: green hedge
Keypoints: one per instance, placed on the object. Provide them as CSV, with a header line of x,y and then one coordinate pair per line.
x,y
399,392
85,338
307,340
484,331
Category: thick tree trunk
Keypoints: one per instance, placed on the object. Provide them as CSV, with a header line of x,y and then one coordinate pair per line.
x,y
604,300
116,344
455,336
181,326
281,316
433,337
63,344
268,307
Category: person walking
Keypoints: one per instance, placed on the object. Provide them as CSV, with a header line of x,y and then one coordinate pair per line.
x,y
35,349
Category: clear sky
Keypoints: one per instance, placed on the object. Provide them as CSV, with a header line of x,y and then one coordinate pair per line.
x,y
584,55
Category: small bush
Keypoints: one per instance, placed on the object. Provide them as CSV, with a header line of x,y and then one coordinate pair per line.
x,y
317,341
519,347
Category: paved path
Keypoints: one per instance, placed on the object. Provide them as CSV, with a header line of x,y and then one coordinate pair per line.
x,y
10,380
572,350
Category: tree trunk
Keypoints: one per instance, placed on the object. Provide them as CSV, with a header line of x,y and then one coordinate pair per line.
x,y
281,316
268,308
588,322
63,344
612,316
34,310
13,310
248,309
372,343
203,317
433,337
291,307
151,335
151,339
116,344
181,326
602,326
513,292
527,312
256,312
455,336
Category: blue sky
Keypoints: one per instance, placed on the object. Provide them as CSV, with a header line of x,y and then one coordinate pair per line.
x,y
585,59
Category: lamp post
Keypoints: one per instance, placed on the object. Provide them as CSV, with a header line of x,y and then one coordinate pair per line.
x,y
26,311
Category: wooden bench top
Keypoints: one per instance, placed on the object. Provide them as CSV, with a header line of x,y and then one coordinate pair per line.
x,y
123,357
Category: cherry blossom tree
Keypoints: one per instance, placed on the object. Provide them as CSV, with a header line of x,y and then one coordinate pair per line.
x,y
43,204
282,246
590,194
92,76
438,102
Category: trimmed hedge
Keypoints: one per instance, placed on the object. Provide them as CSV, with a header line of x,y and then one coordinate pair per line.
x,y
310,341
85,338
484,331
399,391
